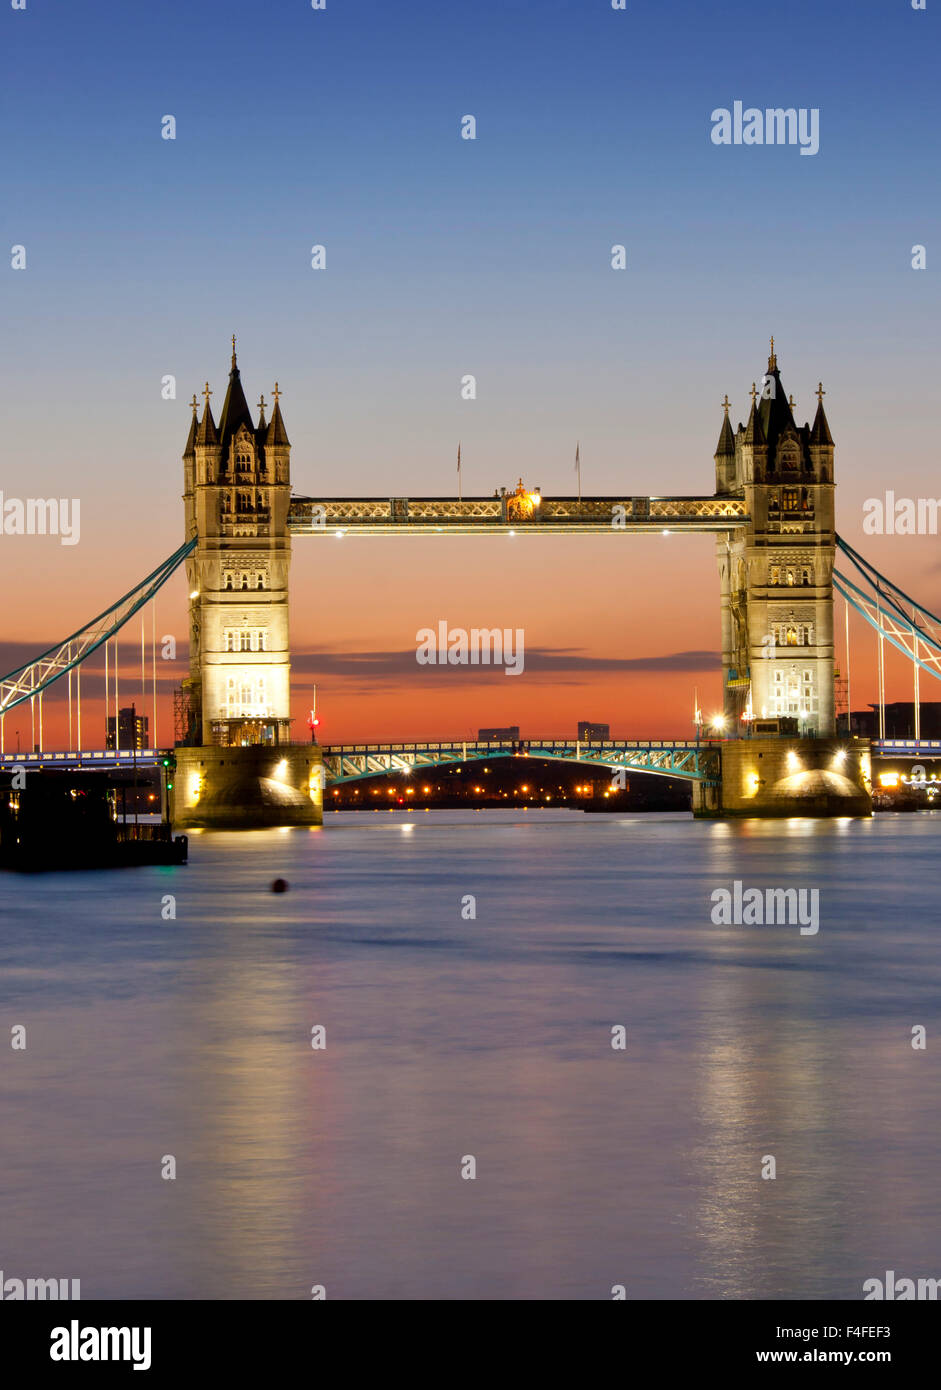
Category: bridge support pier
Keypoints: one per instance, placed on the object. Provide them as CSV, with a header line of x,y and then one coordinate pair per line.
x,y
780,776
247,788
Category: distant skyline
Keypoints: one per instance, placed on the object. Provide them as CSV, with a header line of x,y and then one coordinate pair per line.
x,y
447,257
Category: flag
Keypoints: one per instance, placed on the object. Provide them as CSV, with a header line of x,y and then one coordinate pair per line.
x,y
577,461
459,458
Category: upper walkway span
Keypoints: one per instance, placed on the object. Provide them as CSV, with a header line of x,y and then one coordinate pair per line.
x,y
505,513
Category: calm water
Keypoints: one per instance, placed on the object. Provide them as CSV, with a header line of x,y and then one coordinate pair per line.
x,y
489,1037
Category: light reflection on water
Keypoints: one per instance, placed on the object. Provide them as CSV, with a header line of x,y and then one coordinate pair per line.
x,y
489,1037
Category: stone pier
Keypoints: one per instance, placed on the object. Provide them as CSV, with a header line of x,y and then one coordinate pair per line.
x,y
783,776
247,788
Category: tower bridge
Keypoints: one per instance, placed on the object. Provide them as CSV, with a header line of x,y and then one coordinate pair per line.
x,y
772,517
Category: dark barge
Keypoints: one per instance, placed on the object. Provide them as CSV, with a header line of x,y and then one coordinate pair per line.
x,y
58,819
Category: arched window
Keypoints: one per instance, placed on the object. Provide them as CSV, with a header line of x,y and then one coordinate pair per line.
x,y
243,453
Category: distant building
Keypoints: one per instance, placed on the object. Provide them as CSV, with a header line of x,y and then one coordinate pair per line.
x,y
593,733
899,720
133,730
510,734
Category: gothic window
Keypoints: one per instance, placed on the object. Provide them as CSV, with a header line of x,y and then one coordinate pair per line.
x,y
789,455
791,498
805,577
249,639
775,575
259,581
244,581
246,697
789,577
228,580
791,638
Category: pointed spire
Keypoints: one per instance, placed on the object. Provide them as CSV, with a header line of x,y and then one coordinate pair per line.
x,y
726,445
190,449
754,433
277,434
206,434
262,424
774,408
820,434
235,411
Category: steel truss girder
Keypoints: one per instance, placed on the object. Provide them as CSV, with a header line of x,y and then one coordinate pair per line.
x,y
29,680
690,761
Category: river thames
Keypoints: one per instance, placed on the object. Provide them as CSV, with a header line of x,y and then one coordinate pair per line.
x,y
470,971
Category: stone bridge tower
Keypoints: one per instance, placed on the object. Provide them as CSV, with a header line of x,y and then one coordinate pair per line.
x,y
236,495
776,573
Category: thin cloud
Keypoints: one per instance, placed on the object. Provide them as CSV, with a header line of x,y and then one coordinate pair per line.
x,y
383,665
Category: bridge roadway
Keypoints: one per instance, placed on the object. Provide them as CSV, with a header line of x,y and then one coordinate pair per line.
x,y
351,762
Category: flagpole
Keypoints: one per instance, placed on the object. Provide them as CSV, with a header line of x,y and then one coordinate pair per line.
x,y
578,470
460,484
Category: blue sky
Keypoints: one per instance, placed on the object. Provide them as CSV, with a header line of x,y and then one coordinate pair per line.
x,y
447,256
